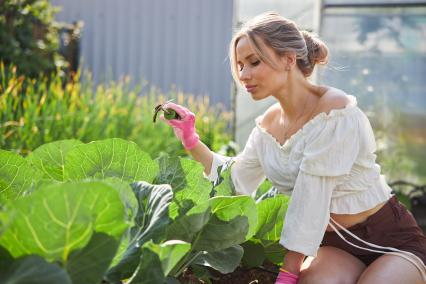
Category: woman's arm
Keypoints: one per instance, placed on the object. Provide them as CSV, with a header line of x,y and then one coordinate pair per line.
x,y
289,272
202,154
184,129
293,262
247,172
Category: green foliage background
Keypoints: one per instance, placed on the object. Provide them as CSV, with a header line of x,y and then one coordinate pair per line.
x,y
42,110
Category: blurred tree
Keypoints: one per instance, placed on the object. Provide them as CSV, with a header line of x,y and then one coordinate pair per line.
x,y
29,37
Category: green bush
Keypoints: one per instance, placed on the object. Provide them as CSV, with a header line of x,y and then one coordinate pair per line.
x,y
38,111
29,37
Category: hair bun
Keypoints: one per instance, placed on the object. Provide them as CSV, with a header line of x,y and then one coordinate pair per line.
x,y
317,50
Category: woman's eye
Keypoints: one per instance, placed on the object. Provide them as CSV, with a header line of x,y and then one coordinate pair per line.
x,y
257,62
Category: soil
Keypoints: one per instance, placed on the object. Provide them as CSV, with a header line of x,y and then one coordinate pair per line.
x,y
266,274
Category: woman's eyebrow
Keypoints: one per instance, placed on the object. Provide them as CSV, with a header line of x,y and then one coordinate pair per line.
x,y
250,55
247,57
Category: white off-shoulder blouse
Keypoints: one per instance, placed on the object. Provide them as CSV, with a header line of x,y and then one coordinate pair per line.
x,y
328,166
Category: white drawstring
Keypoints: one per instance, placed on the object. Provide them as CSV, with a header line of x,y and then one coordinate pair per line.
x,y
414,259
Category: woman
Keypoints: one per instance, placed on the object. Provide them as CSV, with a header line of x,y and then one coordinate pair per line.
x,y
318,146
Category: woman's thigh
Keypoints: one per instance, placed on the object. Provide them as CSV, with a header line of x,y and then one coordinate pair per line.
x,y
391,269
332,265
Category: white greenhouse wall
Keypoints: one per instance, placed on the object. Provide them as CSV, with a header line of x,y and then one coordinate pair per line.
x,y
180,43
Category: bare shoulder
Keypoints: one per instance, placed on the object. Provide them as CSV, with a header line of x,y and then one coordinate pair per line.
x,y
332,99
270,115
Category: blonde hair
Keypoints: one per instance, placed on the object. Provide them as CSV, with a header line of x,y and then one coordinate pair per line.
x,y
283,36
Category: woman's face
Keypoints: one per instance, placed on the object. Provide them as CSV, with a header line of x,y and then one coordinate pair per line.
x,y
259,78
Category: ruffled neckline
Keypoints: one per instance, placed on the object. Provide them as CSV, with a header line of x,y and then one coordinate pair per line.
x,y
320,117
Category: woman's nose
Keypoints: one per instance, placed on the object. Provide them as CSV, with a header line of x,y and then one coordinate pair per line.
x,y
245,74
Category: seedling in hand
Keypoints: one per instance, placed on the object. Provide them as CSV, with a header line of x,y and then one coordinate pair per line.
x,y
169,113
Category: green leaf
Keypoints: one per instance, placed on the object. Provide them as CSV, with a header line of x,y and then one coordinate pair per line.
x,y
171,172
271,213
196,183
217,224
16,176
122,247
275,253
149,270
32,269
110,158
233,221
224,185
271,193
7,214
190,190
263,188
5,259
89,264
228,207
127,196
218,234
225,261
180,205
254,254
186,227
57,219
50,158
150,223
42,183
169,252
152,218
172,280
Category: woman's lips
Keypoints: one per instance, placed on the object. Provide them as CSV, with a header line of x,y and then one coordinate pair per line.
x,y
250,88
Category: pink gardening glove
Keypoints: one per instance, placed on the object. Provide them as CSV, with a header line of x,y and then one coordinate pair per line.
x,y
285,277
184,128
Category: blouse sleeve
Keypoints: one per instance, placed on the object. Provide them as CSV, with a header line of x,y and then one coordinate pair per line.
x,y
308,213
330,153
246,171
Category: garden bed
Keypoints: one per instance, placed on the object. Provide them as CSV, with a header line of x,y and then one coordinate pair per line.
x,y
262,275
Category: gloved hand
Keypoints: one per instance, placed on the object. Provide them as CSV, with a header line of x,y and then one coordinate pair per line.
x,y
285,277
184,128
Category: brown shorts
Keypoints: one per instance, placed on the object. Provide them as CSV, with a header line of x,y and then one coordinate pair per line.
x,y
392,226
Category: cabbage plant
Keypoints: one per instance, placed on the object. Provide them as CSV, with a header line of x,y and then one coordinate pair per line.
x,y
72,212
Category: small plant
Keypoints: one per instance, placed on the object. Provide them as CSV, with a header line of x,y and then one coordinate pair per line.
x,y
168,112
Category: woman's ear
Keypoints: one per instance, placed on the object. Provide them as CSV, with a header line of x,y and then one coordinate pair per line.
x,y
289,60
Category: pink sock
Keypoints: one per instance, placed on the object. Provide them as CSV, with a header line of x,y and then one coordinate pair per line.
x,y
285,277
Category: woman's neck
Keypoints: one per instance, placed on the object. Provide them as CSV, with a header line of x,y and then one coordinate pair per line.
x,y
298,95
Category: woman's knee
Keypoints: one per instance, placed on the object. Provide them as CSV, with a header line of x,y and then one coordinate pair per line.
x,y
391,269
320,277
332,265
